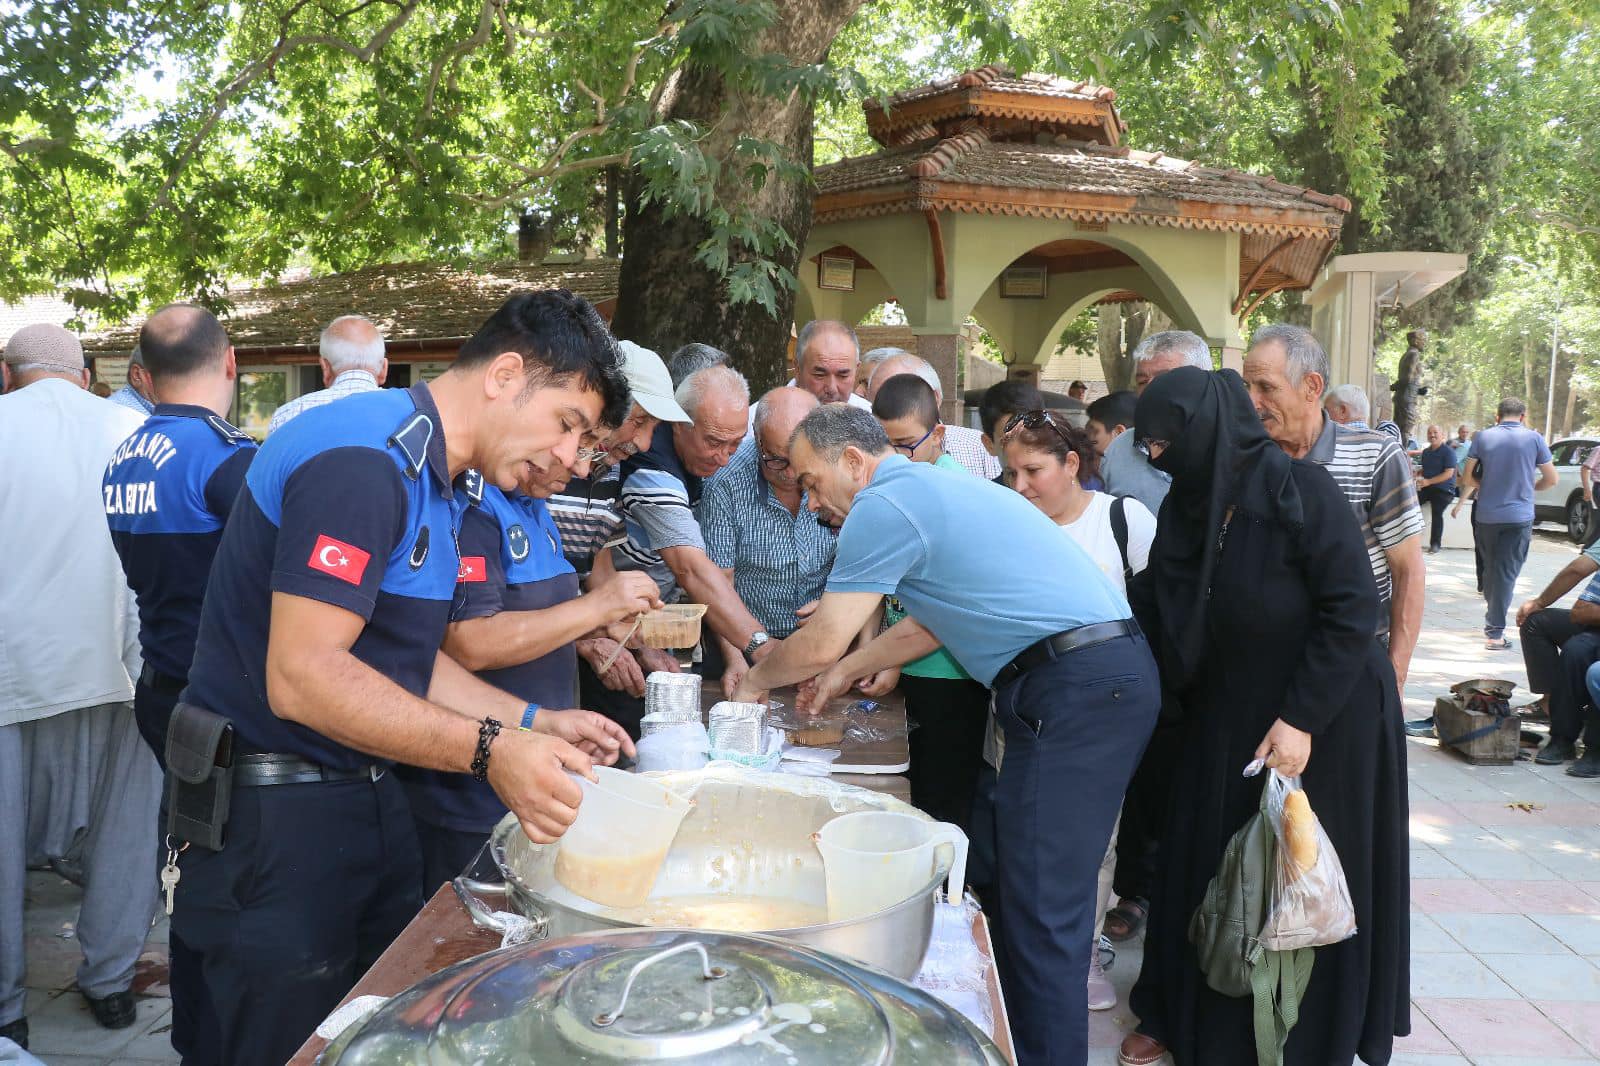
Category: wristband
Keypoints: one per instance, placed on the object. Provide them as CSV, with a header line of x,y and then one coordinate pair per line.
x,y
527,717
487,731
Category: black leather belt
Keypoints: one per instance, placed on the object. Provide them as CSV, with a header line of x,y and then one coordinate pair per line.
x,y
266,768
150,677
1051,648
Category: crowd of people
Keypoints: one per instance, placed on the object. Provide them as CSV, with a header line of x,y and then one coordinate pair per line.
x,y
354,647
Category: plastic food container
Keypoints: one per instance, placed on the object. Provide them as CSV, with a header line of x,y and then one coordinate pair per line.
x,y
677,625
872,858
624,829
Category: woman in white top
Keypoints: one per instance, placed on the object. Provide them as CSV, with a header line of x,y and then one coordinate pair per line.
x,y
1048,461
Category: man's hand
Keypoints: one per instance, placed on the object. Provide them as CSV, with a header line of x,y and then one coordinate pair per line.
x,y
803,613
741,692
1528,610
816,693
624,674
626,594
733,677
879,684
1456,510
1285,748
593,734
653,659
528,771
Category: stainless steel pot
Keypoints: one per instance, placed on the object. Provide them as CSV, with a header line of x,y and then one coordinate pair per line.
x,y
645,995
749,834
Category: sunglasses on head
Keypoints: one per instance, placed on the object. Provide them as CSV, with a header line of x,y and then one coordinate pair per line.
x,y
1033,420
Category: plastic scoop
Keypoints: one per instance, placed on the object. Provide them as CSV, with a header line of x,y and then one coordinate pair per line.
x,y
624,829
875,859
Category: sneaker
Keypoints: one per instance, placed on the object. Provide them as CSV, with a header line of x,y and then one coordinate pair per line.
x,y
1421,727
1588,766
115,1011
1556,752
1108,953
16,1032
1497,645
1101,995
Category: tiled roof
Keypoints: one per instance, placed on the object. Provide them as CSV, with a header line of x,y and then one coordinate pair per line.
x,y
996,96
1004,79
410,302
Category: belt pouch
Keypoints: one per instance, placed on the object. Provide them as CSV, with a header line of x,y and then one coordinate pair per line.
x,y
199,775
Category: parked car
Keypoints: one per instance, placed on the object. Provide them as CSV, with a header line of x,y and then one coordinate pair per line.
x,y
1563,502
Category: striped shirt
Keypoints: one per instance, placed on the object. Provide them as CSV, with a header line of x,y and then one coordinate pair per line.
x,y
658,501
1375,476
965,446
348,383
587,515
780,561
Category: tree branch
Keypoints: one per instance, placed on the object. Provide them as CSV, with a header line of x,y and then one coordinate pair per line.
x,y
1562,222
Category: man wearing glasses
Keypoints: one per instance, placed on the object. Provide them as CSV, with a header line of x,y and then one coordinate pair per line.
x,y
756,525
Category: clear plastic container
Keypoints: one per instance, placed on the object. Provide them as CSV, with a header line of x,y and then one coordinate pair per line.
x,y
875,859
624,829
677,625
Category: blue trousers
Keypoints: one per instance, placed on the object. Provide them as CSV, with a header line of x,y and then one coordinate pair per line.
x,y
1505,549
446,854
312,883
1074,731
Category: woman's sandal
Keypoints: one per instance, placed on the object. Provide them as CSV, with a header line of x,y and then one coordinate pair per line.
x,y
1126,919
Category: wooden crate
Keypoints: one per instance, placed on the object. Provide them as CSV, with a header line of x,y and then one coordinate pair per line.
x,y
1498,747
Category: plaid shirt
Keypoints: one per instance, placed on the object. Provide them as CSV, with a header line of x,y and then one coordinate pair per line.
x,y
965,446
349,383
779,561
129,397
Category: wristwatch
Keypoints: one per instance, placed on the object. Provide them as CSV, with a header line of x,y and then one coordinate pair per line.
x,y
757,639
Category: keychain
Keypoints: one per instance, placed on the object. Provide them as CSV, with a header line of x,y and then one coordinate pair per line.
x,y
170,872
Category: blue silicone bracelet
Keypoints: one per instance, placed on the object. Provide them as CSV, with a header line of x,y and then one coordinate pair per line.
x,y
527,716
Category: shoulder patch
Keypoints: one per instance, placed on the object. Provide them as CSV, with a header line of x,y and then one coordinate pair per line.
x,y
412,439
229,433
472,485
517,541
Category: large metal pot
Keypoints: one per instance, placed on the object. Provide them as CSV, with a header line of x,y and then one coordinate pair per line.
x,y
647,995
749,834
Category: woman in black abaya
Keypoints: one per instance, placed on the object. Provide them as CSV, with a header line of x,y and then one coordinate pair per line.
x,y
1260,605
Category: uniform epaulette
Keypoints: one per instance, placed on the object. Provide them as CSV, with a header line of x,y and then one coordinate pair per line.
x,y
229,433
412,439
472,485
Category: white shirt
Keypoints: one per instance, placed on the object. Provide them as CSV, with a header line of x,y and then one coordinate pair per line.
x,y
853,400
69,632
1092,531
348,383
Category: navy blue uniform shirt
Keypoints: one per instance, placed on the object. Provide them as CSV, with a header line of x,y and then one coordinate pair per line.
x,y
168,491
511,560
350,504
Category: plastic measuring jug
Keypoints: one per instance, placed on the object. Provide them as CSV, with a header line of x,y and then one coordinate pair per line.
x,y
614,848
875,859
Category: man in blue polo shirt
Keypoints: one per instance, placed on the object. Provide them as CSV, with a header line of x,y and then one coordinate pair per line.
x,y
1076,691
168,491
1507,464
319,644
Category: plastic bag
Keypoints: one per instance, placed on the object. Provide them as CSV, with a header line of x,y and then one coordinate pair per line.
x,y
1310,898
679,746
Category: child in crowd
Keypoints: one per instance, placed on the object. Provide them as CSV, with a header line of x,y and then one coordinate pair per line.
x,y
1109,417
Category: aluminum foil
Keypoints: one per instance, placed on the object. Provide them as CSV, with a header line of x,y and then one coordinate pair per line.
x,y
673,695
739,728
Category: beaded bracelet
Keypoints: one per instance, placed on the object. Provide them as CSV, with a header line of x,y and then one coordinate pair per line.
x,y
487,731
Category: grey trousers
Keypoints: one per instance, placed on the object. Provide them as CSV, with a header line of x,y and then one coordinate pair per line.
x,y
1505,549
86,777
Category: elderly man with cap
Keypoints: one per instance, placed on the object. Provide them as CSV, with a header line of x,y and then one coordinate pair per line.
x,y
71,760
351,352
1075,685
961,443
138,394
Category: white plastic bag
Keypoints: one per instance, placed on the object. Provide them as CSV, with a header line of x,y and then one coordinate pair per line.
x,y
1310,904
680,746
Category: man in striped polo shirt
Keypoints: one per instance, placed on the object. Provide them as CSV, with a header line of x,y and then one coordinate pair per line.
x,y
1287,372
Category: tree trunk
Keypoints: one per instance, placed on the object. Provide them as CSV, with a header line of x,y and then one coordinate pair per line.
x,y
1571,406
665,298
1527,372
1121,328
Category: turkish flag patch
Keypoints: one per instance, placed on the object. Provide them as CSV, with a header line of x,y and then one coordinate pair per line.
x,y
473,568
343,561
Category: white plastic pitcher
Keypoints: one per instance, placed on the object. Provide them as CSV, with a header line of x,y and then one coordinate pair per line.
x,y
625,826
875,859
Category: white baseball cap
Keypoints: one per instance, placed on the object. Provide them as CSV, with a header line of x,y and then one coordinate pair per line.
x,y
650,383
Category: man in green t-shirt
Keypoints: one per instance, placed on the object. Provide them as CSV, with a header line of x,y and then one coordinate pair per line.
x,y
951,711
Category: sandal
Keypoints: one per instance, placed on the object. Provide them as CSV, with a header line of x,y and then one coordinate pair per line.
x,y
1127,918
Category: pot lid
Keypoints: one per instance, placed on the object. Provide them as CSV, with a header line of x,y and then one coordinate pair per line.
x,y
649,995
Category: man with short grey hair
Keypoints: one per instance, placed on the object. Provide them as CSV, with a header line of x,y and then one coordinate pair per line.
x,y
351,352
1286,370
1075,687
1347,405
826,362
961,443
1126,470
869,364
691,357
138,394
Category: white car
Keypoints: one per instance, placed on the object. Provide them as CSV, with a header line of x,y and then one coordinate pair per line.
x,y
1563,502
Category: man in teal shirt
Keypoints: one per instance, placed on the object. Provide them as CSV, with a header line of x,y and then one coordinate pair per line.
x,y
1025,612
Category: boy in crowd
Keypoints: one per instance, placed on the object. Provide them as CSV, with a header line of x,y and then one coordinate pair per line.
x,y
1109,417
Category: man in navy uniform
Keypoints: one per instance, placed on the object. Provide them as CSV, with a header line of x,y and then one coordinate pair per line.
x,y
168,491
319,642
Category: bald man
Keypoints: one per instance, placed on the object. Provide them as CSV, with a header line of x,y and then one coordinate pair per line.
x,y
757,527
961,443
352,356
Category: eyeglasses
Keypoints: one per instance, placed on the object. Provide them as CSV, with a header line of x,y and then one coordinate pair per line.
x,y
911,449
1033,420
775,463
1146,446
591,455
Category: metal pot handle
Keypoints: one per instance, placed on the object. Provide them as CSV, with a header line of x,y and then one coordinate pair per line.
x,y
708,972
468,890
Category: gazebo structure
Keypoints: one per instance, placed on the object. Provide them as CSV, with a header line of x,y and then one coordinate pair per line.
x,y
1012,199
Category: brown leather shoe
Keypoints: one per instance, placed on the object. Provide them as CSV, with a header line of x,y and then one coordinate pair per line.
x,y
1140,1050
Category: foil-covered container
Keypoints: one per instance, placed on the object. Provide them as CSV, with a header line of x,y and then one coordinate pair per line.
x,y
660,720
673,694
738,728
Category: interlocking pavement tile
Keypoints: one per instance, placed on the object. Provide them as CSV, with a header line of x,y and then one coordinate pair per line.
x,y
1425,1038
1542,897
1578,1018
1455,975
1497,863
1435,896
1499,1027
1427,935
64,1025
1408,1058
1502,814
1501,934
1542,977
1580,932
1108,1027
1427,862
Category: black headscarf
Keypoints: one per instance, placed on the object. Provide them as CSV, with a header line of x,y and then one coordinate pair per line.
x,y
1219,457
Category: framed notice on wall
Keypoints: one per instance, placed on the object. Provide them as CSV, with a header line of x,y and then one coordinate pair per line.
x,y
837,272
1024,283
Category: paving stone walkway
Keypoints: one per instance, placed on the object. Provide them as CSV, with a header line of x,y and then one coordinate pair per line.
x,y
1505,923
